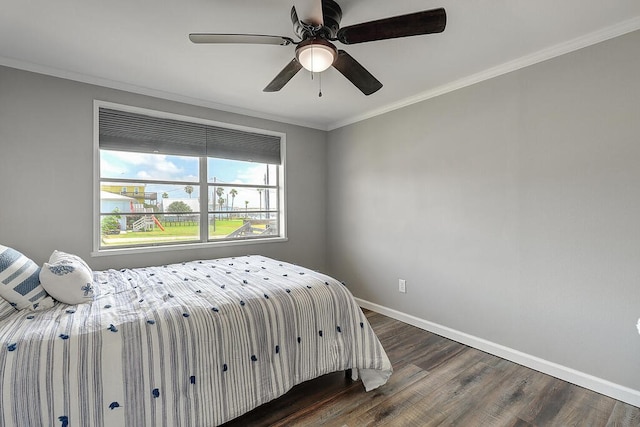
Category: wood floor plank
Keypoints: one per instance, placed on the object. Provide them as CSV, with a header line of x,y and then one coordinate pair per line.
x,y
585,404
441,395
501,395
437,381
624,415
306,396
348,406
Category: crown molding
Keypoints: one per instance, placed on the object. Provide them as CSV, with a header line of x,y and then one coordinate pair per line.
x,y
507,67
140,90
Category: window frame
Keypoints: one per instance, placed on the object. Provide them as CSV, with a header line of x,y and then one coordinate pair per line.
x,y
205,241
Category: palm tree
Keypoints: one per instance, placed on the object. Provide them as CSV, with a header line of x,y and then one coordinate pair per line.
x,y
246,208
233,193
219,193
221,202
165,195
188,189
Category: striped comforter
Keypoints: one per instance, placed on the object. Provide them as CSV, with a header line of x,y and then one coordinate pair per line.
x,y
191,344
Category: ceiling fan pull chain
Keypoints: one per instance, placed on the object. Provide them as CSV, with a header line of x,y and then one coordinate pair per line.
x,y
320,85
312,68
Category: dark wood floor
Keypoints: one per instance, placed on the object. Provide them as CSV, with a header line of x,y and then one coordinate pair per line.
x,y
437,381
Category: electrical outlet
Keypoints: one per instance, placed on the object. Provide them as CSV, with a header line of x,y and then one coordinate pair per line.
x,y
402,286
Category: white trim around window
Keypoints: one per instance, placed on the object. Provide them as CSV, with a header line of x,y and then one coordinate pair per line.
x,y
218,210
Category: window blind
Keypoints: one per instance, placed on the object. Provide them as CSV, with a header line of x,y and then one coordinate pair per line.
x,y
127,131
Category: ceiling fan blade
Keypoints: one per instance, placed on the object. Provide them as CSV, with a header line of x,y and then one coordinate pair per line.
x,y
239,39
298,26
283,76
413,24
331,15
356,73
310,11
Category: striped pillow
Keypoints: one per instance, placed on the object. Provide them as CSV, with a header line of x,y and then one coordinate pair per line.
x,y
20,282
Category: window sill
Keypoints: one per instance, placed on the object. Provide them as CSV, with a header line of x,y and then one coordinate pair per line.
x,y
182,247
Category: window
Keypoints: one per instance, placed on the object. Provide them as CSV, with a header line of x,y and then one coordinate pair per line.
x,y
193,181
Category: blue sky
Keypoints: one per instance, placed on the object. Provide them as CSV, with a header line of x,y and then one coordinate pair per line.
x,y
130,165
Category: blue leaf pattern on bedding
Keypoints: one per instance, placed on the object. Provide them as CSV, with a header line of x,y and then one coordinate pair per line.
x,y
61,269
114,405
155,392
64,421
87,290
12,347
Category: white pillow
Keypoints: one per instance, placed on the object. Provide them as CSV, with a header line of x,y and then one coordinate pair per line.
x,y
19,282
67,278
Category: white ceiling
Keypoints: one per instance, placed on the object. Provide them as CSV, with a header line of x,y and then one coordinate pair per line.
x,y
142,46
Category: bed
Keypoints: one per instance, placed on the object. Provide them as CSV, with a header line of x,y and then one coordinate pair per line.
x,y
190,344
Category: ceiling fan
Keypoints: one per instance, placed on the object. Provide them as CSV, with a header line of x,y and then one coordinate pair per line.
x,y
316,52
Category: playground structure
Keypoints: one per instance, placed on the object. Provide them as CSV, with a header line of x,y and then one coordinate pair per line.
x,y
147,221
249,228
265,227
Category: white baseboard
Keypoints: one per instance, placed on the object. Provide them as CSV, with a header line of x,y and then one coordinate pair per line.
x,y
599,385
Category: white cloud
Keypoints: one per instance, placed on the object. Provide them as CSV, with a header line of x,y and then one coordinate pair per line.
x,y
252,175
109,169
147,166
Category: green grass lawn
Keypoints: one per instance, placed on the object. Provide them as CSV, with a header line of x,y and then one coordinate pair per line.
x,y
223,227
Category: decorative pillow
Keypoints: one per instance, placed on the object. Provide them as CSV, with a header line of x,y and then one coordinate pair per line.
x,y
67,278
19,282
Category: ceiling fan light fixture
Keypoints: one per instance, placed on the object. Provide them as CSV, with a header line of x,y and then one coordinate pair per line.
x,y
316,55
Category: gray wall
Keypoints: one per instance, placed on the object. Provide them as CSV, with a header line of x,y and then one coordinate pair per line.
x,y
46,173
511,207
